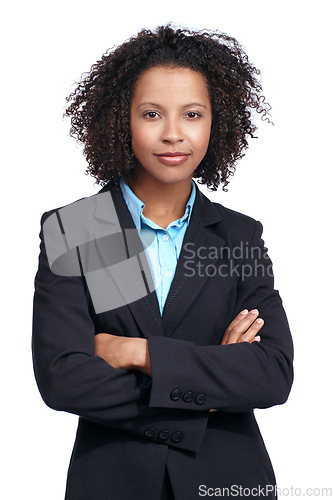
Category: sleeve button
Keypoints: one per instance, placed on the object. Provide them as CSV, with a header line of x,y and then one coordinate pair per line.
x,y
188,397
164,435
200,399
150,432
175,394
177,437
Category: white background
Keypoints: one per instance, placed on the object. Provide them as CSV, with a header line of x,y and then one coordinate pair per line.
x,y
284,181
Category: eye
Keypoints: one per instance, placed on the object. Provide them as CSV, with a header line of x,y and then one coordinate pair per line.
x,y
193,114
150,114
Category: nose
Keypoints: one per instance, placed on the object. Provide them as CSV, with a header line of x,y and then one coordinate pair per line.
x,y
172,131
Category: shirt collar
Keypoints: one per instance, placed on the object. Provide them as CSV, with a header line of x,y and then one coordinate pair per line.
x,y
136,206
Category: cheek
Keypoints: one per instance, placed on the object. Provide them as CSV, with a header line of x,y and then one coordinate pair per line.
x,y
202,139
136,136
143,136
140,142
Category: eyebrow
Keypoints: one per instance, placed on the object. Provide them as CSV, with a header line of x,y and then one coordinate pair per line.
x,y
160,106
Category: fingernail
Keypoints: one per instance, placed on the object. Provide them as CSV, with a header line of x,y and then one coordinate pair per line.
x,y
257,338
254,311
259,320
245,311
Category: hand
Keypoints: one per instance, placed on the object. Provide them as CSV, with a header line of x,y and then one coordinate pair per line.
x,y
127,353
243,328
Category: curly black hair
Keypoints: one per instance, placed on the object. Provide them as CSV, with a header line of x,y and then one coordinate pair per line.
x,y
100,104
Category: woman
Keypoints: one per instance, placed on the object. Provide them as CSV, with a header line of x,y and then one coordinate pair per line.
x,y
146,309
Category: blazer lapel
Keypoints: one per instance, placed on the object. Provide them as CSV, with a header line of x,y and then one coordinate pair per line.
x,y
145,310
199,240
187,282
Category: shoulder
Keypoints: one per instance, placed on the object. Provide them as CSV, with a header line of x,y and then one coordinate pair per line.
x,y
72,206
235,226
229,224
77,224
83,210
227,216
98,203
235,216
213,212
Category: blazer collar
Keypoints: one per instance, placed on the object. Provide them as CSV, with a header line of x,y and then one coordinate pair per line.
x,y
199,237
202,205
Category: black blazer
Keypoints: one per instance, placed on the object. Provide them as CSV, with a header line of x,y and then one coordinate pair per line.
x,y
132,426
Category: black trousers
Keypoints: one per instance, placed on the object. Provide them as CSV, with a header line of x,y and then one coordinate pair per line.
x,y
167,493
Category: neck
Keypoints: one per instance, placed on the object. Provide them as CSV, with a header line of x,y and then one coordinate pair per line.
x,y
162,201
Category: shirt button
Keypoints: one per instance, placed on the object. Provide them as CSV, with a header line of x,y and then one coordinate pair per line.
x,y
165,237
168,274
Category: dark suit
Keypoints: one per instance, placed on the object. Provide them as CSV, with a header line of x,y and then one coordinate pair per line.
x,y
132,426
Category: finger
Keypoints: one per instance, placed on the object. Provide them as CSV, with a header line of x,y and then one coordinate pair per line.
x,y
252,332
238,330
238,318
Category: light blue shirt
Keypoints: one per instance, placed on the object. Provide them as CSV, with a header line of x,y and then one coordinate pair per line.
x,y
162,246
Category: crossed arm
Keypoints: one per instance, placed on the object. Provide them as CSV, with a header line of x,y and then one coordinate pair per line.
x,y
126,382
133,353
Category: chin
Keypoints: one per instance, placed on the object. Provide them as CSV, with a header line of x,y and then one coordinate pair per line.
x,y
165,174
172,179
173,174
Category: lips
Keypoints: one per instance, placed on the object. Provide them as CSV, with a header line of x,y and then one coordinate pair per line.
x,y
177,153
175,158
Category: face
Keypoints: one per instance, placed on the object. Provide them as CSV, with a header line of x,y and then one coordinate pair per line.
x,y
170,122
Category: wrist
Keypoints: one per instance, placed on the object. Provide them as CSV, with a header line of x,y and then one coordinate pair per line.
x,y
140,356
138,353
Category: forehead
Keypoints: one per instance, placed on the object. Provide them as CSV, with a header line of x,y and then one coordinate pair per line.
x,y
170,82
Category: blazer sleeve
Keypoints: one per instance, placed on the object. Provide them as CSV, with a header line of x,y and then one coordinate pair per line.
x,y
236,377
71,378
